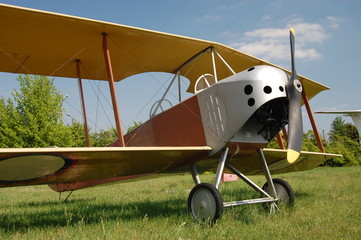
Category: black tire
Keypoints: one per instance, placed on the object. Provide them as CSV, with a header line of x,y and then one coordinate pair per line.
x,y
284,191
205,203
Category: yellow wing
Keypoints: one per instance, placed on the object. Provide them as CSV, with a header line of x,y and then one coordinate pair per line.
x,y
250,164
31,166
44,43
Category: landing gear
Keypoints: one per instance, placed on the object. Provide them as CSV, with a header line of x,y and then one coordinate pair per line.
x,y
205,203
284,191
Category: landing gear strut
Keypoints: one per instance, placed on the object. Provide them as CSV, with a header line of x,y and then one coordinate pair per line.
x,y
205,201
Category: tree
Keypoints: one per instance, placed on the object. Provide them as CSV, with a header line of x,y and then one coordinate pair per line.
x,y
344,140
309,142
77,133
33,116
339,127
9,119
273,144
135,125
104,137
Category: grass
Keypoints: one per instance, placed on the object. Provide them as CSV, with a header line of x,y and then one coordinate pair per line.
x,y
327,207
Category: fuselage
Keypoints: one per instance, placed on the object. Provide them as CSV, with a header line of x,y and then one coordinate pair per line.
x,y
241,111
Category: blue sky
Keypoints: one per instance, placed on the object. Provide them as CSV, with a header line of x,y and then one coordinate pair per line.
x,y
328,37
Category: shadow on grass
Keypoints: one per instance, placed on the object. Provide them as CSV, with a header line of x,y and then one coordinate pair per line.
x,y
251,213
53,203
85,211
303,195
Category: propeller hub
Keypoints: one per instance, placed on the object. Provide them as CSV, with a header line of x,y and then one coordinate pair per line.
x,y
298,85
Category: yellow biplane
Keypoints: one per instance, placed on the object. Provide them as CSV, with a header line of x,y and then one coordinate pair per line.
x,y
239,104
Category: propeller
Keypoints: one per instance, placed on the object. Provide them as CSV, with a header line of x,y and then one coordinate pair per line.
x,y
294,90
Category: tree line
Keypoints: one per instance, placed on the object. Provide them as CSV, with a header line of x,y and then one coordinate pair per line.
x,y
33,117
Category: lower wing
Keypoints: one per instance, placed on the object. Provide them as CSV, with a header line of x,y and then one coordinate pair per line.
x,y
33,166
67,169
249,162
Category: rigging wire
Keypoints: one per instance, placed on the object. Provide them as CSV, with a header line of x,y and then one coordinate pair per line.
x,y
96,88
99,102
20,65
71,59
97,107
77,110
162,85
145,70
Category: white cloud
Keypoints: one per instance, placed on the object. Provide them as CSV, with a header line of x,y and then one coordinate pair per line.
x,y
266,18
273,43
267,49
208,19
310,33
334,22
230,35
267,33
310,53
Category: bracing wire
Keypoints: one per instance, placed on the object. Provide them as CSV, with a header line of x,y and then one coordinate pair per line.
x,y
97,91
162,85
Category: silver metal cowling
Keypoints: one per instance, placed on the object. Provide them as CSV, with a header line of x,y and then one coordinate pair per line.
x,y
229,104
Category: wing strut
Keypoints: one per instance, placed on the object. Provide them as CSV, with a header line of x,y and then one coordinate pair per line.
x,y
85,122
312,120
113,94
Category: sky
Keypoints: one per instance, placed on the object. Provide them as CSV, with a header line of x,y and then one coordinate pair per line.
x,y
328,50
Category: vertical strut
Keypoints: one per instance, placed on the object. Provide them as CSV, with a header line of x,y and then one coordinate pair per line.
x,y
195,175
312,120
222,162
285,134
224,61
113,94
279,140
85,122
214,66
179,87
267,173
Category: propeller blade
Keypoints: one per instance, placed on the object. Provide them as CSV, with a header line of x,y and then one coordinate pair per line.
x,y
295,127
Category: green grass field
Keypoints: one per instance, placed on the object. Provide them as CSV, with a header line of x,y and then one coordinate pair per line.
x,y
327,207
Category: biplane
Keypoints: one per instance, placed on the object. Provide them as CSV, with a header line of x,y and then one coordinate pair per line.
x,y
239,104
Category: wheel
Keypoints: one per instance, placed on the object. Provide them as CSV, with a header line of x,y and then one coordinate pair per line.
x,y
284,191
205,203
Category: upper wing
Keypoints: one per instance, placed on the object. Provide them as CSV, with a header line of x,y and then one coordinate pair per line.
x,y
44,43
27,166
